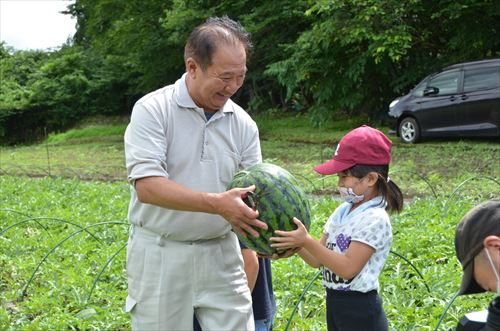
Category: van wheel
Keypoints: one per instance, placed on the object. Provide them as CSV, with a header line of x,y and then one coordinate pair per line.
x,y
409,131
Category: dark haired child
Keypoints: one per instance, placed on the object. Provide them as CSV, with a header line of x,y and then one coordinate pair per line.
x,y
358,235
477,245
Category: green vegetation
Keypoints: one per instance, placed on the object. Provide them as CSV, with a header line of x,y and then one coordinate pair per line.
x,y
95,151
88,133
334,57
335,60
72,279
57,297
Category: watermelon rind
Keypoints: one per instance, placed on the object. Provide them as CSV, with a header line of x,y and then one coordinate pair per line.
x,y
278,198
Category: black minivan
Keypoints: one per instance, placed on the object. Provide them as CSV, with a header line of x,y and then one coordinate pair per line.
x,y
461,100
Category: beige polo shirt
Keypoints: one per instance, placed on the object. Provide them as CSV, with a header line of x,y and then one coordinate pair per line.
x,y
169,136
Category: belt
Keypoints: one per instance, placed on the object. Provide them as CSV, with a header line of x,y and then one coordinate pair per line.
x,y
162,238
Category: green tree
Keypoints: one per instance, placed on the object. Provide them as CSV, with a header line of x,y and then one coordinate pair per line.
x,y
16,71
49,91
323,57
62,87
142,42
359,54
130,40
271,24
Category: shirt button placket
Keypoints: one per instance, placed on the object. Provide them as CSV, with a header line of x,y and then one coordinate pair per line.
x,y
204,142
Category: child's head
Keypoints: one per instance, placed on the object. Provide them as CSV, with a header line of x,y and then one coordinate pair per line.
x,y
365,152
477,245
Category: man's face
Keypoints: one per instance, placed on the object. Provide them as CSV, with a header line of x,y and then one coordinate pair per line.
x,y
211,88
483,270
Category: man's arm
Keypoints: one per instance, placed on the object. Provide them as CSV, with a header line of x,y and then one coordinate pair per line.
x,y
163,192
251,264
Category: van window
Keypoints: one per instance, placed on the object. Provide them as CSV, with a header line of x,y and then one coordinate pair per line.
x,y
446,82
418,91
481,79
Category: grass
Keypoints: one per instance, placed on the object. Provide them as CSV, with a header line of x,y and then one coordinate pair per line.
x,y
82,183
91,133
95,151
54,209
58,296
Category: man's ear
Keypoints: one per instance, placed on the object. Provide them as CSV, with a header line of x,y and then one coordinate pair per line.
x,y
492,242
191,67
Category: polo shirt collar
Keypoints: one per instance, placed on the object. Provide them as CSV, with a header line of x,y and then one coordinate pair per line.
x,y
184,100
343,212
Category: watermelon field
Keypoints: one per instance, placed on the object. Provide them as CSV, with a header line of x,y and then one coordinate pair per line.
x,y
63,227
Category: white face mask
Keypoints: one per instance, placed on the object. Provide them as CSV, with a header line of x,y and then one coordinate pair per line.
x,y
348,195
494,270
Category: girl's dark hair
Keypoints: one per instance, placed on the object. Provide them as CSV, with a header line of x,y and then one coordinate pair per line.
x,y
205,38
386,187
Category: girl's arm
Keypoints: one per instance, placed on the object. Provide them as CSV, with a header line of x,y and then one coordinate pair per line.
x,y
315,253
346,266
308,257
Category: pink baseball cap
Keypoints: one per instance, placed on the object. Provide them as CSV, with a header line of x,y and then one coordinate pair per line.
x,y
363,145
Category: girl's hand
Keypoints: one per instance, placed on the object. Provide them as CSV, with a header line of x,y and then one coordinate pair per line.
x,y
290,239
282,255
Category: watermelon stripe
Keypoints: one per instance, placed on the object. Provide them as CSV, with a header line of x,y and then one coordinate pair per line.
x,y
278,199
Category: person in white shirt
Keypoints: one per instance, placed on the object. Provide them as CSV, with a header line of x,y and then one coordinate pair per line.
x,y
357,236
183,145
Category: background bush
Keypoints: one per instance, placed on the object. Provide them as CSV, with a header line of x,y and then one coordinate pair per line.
x,y
323,58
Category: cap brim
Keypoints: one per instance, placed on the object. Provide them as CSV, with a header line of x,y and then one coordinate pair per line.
x,y
469,284
332,167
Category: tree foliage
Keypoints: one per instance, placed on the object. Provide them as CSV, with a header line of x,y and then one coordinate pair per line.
x,y
323,57
265,20
359,53
16,78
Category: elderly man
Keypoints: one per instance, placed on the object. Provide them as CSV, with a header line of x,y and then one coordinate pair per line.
x,y
183,146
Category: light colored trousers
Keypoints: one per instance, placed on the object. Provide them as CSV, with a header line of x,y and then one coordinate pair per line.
x,y
170,280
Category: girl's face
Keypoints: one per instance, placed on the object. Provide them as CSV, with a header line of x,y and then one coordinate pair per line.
x,y
364,187
358,185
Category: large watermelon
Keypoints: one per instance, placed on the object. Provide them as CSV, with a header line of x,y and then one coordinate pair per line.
x,y
277,197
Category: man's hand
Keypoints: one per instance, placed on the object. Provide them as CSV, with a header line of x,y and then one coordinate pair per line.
x,y
230,205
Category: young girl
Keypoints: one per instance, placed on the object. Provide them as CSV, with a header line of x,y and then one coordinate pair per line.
x,y
357,236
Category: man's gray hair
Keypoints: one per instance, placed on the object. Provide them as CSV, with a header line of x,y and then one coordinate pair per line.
x,y
205,38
